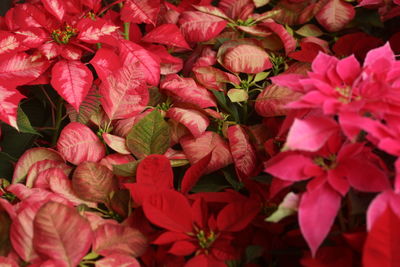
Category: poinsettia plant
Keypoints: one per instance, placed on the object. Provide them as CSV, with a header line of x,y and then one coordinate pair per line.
x,y
199,133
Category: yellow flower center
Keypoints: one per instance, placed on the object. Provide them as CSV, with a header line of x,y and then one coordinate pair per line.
x,y
205,239
62,36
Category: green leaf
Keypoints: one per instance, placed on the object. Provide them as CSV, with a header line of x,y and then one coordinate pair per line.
x,y
24,124
237,95
5,225
210,183
149,136
265,179
7,157
310,30
288,207
280,214
232,179
12,144
260,3
91,256
261,76
226,104
89,106
253,252
233,263
126,169
366,17
179,162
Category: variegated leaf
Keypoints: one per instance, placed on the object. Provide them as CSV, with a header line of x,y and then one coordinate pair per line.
x,y
77,143
32,37
94,182
116,143
287,39
168,34
124,93
92,31
30,157
235,8
55,7
213,78
119,239
115,159
197,148
120,260
49,50
21,232
29,15
247,59
243,153
272,101
140,11
105,62
72,80
41,166
71,53
20,69
200,27
234,43
90,106
186,90
60,184
193,119
55,235
9,100
212,10
9,43
131,53
335,15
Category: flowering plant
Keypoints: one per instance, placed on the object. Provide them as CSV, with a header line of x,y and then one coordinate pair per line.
x,y
200,133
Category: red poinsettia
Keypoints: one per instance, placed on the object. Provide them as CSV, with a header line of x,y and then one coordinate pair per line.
x,y
191,229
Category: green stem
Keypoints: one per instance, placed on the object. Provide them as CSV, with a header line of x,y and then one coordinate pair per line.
x,y
60,105
126,30
126,25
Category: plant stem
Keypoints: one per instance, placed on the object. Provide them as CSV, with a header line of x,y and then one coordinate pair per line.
x,y
126,30
126,25
60,105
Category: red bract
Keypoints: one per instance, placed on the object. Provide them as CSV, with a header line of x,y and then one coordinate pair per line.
x,y
198,231
380,247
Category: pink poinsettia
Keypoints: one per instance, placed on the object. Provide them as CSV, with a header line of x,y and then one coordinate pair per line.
x,y
339,87
335,168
